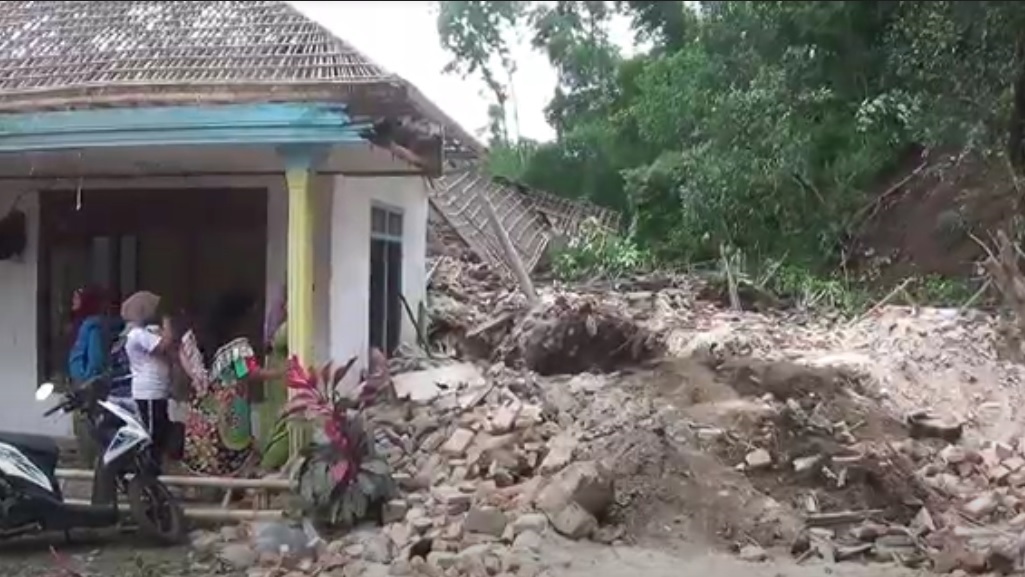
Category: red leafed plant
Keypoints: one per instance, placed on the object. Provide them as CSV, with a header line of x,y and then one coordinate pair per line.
x,y
342,479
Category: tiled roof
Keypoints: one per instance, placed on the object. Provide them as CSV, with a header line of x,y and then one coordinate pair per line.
x,y
93,50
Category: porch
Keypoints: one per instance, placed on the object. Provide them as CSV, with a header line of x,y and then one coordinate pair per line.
x,y
189,202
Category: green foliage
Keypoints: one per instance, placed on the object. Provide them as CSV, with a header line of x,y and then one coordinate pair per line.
x,y
758,125
597,253
344,503
342,479
941,291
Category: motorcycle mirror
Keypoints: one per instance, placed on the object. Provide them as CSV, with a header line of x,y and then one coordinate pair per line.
x,y
44,391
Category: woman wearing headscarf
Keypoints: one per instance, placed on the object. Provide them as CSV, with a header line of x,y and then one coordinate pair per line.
x,y
148,346
218,430
275,330
93,329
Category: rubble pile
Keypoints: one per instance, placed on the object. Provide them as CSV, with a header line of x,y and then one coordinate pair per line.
x,y
569,337
890,438
487,474
477,315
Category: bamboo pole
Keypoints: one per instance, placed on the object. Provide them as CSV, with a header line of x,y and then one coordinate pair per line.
x,y
186,481
511,256
206,513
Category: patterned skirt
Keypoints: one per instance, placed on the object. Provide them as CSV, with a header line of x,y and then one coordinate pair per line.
x,y
218,429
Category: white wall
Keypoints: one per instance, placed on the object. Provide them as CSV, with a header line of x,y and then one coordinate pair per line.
x,y
350,256
19,412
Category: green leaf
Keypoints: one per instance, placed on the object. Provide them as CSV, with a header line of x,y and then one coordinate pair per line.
x,y
376,466
365,485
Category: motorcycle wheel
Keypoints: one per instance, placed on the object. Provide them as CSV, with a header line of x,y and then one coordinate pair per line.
x,y
156,511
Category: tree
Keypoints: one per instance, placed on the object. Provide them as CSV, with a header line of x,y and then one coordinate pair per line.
x,y
758,125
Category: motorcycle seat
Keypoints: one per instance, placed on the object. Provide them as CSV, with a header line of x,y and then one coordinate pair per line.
x,y
38,444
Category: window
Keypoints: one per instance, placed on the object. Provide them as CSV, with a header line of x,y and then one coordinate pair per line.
x,y
385,278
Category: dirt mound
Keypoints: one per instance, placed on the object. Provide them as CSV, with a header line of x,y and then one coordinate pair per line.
x,y
670,493
946,196
828,444
748,450
567,337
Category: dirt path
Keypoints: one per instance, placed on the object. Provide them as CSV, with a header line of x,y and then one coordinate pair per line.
x,y
593,560
124,556
99,555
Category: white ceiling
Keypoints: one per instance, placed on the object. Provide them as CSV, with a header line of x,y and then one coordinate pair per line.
x,y
188,160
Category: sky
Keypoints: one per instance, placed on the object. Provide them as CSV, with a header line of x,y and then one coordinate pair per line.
x,y
403,38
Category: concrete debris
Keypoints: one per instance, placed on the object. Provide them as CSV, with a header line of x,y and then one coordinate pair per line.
x,y
758,459
756,429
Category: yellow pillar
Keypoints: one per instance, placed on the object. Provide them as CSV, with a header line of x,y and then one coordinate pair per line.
x,y
300,263
299,170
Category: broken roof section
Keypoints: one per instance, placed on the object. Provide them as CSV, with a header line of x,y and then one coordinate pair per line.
x,y
533,219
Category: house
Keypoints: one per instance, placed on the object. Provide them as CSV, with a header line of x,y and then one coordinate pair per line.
x,y
191,148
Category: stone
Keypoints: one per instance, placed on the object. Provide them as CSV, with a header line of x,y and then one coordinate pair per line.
x,y
239,556
487,520
442,559
868,531
400,568
399,533
710,434
204,542
806,464
394,510
453,499
1003,451
427,385
378,549
998,474
944,561
758,459
355,550
528,540
953,454
753,554
421,525
560,453
923,522
1016,479
458,442
1002,556
1014,463
573,521
584,483
504,418
982,505
535,522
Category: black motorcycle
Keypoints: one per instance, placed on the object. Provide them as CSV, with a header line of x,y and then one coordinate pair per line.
x,y
30,495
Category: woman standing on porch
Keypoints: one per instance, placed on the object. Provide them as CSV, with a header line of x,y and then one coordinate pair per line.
x,y
218,437
148,347
93,332
275,330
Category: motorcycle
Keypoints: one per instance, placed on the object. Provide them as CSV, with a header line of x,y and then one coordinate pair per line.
x,y
30,495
